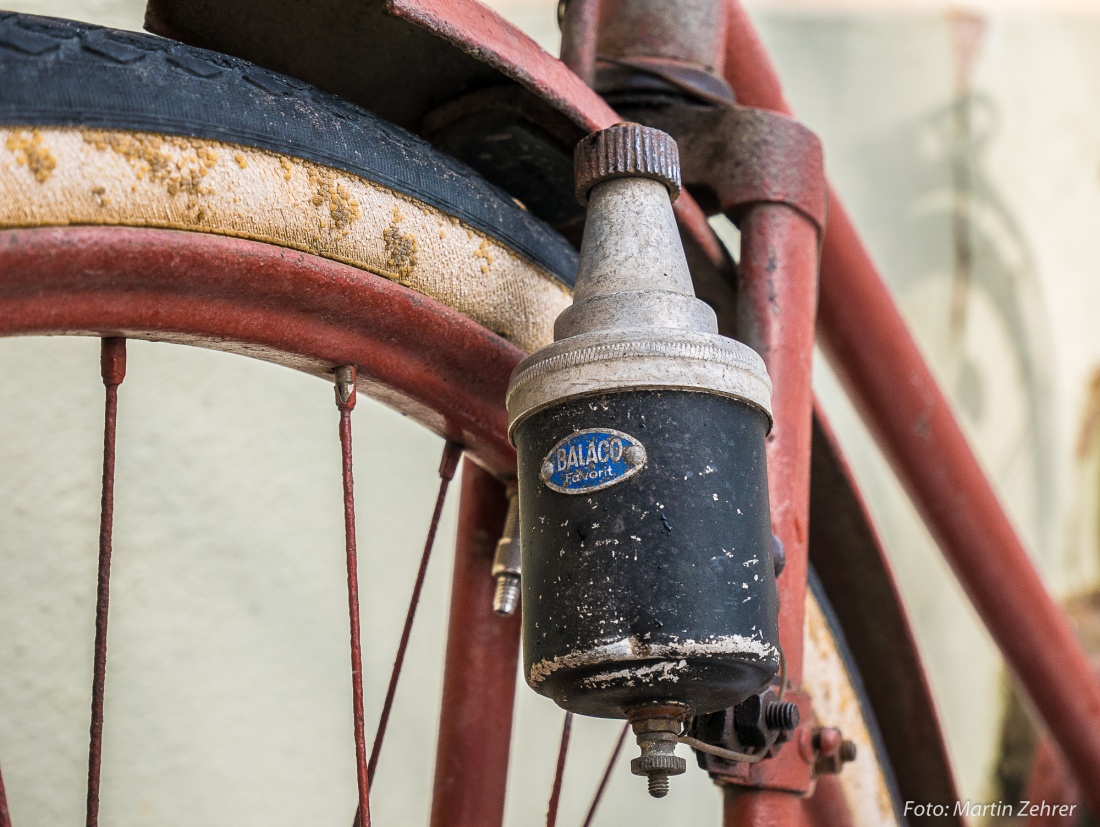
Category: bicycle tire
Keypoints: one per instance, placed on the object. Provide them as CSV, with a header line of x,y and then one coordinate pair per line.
x,y
210,143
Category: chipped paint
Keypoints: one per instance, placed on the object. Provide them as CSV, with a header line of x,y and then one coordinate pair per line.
x,y
664,671
632,648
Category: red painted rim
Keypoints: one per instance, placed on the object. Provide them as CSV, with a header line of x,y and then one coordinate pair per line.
x,y
413,353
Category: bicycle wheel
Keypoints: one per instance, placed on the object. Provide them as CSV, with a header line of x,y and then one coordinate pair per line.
x,y
151,190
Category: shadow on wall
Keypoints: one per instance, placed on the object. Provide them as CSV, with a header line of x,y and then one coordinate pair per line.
x,y
979,305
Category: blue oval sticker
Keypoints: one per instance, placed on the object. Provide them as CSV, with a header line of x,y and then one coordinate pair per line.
x,y
592,459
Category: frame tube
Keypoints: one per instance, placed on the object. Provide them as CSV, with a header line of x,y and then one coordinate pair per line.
x,y
868,342
479,679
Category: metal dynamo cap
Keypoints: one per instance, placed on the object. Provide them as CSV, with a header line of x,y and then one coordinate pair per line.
x,y
635,321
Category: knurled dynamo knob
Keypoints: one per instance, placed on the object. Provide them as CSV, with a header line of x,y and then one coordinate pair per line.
x,y
626,150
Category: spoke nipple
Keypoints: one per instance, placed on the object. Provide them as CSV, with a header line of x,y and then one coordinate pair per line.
x,y
112,360
448,463
345,386
507,595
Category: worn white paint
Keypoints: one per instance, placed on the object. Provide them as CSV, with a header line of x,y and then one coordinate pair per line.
x,y
635,649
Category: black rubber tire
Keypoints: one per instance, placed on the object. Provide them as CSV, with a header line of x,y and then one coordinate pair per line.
x,y
62,73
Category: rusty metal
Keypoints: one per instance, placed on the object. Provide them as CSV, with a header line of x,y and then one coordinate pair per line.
x,y
604,779
749,68
579,23
762,807
734,157
686,31
656,728
112,362
345,402
827,806
5,815
626,150
479,679
868,341
832,751
851,565
559,772
291,308
753,730
788,770
777,302
508,561
448,463
617,75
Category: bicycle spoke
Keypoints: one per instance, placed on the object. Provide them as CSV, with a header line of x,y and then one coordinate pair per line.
x,y
345,401
452,452
555,793
606,775
5,816
112,362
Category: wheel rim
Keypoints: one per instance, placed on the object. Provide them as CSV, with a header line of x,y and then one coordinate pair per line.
x,y
294,309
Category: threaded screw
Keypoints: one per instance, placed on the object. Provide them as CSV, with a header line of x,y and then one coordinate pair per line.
x,y
507,594
847,751
658,784
781,715
656,728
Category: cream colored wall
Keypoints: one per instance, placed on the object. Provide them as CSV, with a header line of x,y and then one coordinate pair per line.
x,y
228,690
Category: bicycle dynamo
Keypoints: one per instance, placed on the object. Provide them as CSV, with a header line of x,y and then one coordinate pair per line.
x,y
648,585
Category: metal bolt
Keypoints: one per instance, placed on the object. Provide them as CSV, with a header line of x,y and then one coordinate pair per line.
x,y
832,751
506,597
847,750
657,784
656,729
506,563
781,715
